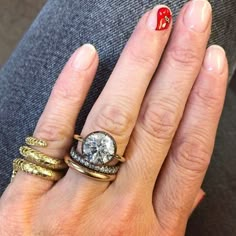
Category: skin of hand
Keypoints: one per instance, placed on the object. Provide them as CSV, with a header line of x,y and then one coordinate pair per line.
x,y
162,104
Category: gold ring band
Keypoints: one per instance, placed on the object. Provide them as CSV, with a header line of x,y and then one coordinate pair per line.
x,y
89,173
41,159
120,158
117,157
32,141
20,164
13,175
78,138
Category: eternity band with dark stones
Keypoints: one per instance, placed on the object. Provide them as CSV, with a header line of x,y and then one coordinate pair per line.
x,y
102,169
99,148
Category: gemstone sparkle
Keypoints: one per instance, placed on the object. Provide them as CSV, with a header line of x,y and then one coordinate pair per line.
x,y
99,148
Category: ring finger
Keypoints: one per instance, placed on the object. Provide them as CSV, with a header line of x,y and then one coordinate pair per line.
x,y
165,100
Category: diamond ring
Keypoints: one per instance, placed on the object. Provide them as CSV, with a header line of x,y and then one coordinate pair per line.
x,y
102,169
99,148
88,172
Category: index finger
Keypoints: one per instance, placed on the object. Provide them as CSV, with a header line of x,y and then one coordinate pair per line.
x,y
57,122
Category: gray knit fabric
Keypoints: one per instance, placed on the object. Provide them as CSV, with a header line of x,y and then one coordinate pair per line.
x,y
60,28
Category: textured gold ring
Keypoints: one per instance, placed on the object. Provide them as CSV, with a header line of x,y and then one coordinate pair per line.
x,y
89,173
41,159
13,175
20,164
32,141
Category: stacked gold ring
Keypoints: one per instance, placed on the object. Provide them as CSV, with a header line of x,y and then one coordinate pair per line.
x,y
98,158
32,141
88,172
41,159
20,164
38,163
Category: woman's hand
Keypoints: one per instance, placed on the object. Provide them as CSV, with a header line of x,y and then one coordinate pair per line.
x,y
161,104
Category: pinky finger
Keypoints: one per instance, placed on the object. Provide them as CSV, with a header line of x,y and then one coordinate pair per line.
x,y
191,150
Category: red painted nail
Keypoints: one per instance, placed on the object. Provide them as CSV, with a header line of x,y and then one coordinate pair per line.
x,y
164,18
200,201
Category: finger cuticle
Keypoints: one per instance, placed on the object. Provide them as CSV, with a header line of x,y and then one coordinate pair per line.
x,y
83,57
160,18
197,15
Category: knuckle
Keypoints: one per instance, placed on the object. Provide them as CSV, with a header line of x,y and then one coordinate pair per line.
x,y
127,208
12,215
62,92
53,131
142,58
48,230
207,99
183,58
160,121
114,119
192,154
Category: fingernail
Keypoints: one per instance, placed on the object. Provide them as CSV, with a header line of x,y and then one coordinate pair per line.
x,y
197,15
160,18
215,59
84,57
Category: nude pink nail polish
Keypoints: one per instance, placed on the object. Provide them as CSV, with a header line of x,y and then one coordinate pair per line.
x,y
215,59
